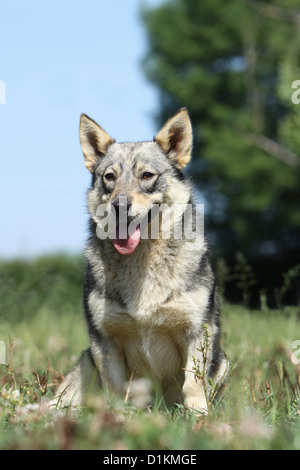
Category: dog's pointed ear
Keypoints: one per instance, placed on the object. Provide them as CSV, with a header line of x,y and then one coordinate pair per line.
x,y
176,138
94,141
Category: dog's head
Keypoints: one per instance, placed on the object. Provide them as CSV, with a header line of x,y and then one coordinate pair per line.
x,y
130,179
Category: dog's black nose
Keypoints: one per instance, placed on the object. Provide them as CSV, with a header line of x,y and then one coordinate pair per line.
x,y
121,206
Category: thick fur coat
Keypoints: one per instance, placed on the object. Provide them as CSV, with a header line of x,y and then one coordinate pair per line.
x,y
146,298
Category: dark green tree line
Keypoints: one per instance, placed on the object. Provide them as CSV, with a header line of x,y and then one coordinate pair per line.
x,y
233,63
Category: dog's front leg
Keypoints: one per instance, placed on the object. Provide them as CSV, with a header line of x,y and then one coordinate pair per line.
x,y
78,382
99,367
110,362
195,386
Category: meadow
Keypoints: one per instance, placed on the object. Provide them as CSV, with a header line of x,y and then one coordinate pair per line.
x,y
43,330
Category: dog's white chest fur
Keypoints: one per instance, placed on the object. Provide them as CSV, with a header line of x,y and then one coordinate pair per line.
x,y
153,353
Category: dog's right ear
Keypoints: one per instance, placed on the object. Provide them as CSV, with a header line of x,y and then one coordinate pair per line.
x,y
94,141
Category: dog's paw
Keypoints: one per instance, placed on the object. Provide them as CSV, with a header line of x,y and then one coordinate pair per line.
x,y
139,393
197,404
66,397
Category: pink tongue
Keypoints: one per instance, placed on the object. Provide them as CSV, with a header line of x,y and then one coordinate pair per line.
x,y
126,246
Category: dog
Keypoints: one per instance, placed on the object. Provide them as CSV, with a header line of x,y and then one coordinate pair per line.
x,y
151,302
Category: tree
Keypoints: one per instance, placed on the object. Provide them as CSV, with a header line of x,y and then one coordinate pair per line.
x,y
232,63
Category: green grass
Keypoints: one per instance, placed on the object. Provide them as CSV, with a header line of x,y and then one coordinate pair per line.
x,y
42,326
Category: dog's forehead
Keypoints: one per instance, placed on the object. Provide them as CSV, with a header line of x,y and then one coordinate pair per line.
x,y
135,154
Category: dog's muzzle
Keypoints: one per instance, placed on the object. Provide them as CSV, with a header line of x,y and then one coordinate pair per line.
x,y
127,235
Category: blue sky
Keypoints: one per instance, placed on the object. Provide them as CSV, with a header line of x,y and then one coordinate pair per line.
x,y
57,60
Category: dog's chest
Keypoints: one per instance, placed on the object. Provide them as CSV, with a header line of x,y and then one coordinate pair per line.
x,y
152,352
144,283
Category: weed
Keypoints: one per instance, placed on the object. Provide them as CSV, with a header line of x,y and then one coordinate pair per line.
x,y
243,276
288,278
201,367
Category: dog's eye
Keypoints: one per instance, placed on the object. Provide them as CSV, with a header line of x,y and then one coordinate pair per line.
x,y
147,175
110,177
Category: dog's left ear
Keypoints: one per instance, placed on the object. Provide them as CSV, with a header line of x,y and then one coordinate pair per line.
x,y
94,141
176,137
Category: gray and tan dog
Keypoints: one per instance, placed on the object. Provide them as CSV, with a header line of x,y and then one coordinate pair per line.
x,y
146,298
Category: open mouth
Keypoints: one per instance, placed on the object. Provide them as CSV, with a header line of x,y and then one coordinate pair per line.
x,y
127,238
129,231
